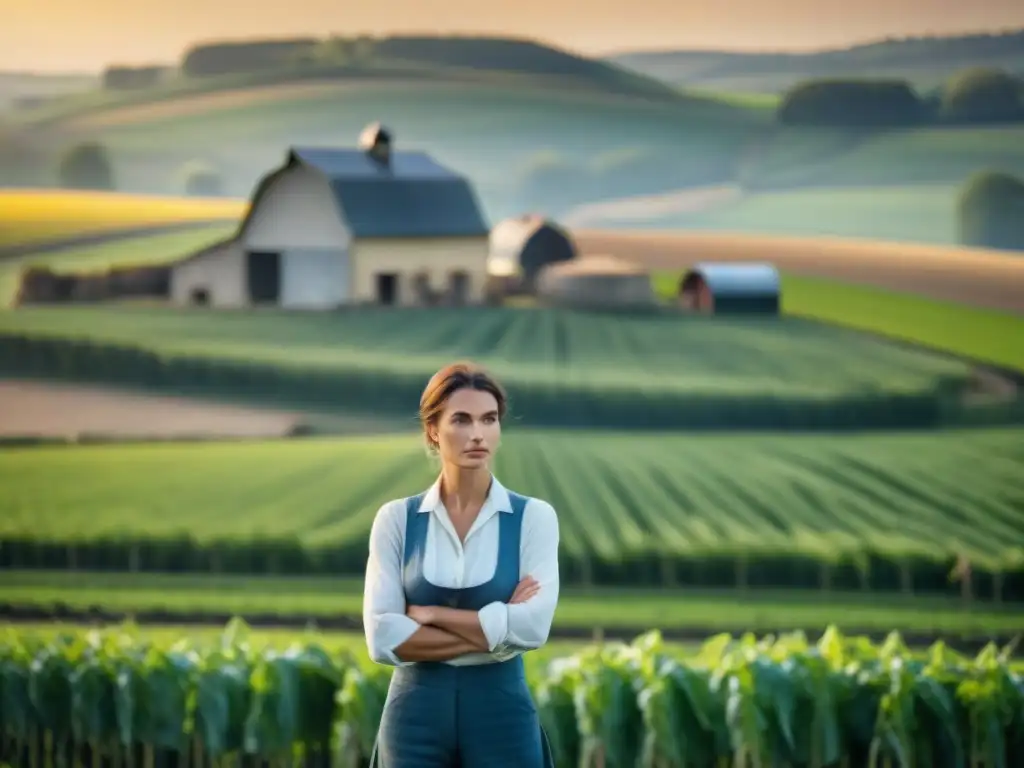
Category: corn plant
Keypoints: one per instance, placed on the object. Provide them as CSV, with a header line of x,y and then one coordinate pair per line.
x,y
112,699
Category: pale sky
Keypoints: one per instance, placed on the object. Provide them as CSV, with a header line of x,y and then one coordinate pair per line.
x,y
56,35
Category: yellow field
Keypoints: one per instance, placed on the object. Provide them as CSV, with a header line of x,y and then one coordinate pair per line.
x,y
39,216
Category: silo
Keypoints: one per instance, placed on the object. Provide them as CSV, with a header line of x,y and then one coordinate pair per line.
x,y
521,246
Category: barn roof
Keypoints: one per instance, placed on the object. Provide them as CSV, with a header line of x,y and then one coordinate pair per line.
x,y
739,278
409,195
512,234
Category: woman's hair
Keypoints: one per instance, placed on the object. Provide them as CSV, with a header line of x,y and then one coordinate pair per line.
x,y
447,381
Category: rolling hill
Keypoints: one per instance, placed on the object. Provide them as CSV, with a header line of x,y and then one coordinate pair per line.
x,y
536,129
494,132
925,61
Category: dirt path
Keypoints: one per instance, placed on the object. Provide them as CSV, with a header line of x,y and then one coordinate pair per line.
x,y
982,278
44,409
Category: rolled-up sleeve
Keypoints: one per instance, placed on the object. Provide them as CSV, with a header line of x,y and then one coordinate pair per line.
x,y
384,621
526,626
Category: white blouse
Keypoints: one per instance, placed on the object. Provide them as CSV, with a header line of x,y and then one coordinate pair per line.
x,y
509,629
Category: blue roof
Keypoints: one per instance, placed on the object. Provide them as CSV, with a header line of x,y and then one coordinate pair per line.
x,y
411,196
739,278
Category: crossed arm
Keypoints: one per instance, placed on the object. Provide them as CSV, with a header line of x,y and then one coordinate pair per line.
x,y
447,633
398,634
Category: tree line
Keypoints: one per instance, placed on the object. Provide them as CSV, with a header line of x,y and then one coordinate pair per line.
x,y
976,96
341,54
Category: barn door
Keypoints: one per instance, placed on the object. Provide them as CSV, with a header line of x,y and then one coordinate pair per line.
x,y
263,271
459,282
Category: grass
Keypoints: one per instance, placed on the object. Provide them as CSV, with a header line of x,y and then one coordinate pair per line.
x,y
976,333
971,332
918,495
127,252
29,217
607,607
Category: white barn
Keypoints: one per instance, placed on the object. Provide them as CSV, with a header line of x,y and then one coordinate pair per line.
x,y
335,227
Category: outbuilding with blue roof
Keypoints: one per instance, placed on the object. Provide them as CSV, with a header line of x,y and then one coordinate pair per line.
x,y
731,288
337,227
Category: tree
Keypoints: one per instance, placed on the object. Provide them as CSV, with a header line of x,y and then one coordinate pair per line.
x,y
201,180
852,103
983,95
86,166
990,211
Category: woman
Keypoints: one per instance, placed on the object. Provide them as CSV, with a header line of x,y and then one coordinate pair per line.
x,y
460,581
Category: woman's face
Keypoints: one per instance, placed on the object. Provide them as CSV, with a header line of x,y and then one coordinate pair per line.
x,y
468,430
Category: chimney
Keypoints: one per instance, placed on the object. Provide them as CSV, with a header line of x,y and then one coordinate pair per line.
x,y
375,141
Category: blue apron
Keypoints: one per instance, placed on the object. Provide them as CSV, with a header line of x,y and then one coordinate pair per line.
x,y
478,716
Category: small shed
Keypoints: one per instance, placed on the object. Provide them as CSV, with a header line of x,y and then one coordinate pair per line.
x,y
596,282
731,288
521,246
208,277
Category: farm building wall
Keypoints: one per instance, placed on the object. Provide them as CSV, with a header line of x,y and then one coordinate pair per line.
x,y
297,209
419,270
596,282
214,277
296,227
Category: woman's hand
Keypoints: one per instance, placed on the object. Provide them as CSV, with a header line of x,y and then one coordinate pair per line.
x,y
421,614
526,589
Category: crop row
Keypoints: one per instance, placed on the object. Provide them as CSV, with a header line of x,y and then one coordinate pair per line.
x,y
113,698
561,368
891,512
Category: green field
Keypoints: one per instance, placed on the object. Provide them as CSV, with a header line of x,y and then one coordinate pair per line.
x,y
735,701
654,508
973,333
610,608
565,368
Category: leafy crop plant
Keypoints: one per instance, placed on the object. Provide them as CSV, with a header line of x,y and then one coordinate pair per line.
x,y
87,699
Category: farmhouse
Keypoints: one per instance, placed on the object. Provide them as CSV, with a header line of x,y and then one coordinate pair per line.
x,y
731,288
334,227
522,245
596,281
